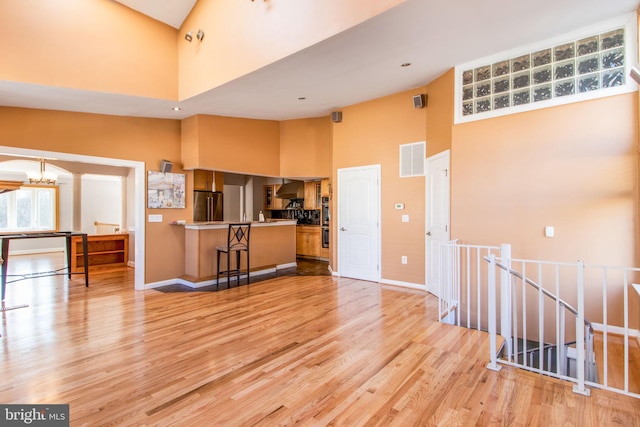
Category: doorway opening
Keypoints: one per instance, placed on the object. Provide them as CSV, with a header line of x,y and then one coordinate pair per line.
x,y
139,198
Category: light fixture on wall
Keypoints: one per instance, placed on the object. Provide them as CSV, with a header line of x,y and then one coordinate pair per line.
x,y
200,35
42,177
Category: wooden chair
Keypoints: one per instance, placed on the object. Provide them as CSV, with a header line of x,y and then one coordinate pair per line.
x,y
237,241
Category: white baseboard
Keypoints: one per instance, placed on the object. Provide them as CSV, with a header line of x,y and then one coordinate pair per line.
x,y
196,285
410,285
159,284
131,264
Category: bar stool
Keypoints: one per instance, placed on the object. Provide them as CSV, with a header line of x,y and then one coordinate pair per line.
x,y
237,241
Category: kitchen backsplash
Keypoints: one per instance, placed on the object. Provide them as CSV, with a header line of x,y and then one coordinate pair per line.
x,y
309,217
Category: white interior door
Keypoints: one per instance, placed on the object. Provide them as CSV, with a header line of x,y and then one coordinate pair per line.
x,y
437,187
358,223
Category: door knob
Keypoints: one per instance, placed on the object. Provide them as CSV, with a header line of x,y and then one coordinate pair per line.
x,y
343,229
428,233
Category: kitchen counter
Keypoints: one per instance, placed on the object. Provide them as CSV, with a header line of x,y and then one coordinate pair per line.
x,y
213,225
272,247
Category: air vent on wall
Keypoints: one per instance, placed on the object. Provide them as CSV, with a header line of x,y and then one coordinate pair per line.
x,y
412,157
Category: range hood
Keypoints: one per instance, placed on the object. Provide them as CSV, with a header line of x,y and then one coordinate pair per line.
x,y
290,190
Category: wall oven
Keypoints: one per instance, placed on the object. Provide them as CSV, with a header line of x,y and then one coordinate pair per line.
x,y
324,220
325,212
325,237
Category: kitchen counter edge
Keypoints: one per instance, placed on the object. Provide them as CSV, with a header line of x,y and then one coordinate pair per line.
x,y
212,225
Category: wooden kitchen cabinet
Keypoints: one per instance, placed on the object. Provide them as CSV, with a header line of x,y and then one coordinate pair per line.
x,y
310,195
277,202
324,187
202,180
308,241
272,202
208,180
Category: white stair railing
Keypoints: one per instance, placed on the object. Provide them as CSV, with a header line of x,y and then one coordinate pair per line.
x,y
540,308
462,277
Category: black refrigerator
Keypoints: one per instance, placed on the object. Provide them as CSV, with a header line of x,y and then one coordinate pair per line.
x,y
207,206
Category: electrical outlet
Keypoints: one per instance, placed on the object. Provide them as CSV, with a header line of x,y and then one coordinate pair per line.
x,y
404,259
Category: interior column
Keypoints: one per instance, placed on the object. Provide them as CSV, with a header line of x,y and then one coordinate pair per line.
x,y
77,202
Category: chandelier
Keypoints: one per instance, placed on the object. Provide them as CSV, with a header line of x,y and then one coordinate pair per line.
x,y
43,177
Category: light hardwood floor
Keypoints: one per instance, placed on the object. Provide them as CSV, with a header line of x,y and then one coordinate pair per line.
x,y
302,350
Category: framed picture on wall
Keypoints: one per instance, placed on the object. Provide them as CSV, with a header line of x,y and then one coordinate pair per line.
x,y
165,190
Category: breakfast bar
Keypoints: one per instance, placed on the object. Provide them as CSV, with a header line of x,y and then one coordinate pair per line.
x,y
272,247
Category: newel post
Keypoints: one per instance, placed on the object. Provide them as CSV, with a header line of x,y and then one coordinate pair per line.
x,y
580,342
493,363
505,299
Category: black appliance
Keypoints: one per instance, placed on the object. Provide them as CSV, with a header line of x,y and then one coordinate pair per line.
x,y
325,212
324,215
325,237
207,206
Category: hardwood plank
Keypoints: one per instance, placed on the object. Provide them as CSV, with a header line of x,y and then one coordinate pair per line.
x,y
615,361
309,350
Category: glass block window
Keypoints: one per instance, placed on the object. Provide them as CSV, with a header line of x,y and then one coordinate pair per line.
x,y
588,64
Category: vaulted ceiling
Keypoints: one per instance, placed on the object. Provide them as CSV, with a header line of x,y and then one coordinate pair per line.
x,y
357,65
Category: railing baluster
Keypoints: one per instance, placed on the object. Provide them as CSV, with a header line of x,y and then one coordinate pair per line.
x,y
457,278
626,330
524,311
468,286
605,322
515,317
493,364
562,348
478,290
506,299
580,344
540,319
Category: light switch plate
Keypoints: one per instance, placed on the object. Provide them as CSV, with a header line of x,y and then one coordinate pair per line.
x,y
405,218
549,231
155,218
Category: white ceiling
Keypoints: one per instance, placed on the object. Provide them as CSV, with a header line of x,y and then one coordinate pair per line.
x,y
357,65
172,12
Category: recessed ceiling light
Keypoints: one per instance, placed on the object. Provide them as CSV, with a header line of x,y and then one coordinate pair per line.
x,y
406,64
301,98
177,109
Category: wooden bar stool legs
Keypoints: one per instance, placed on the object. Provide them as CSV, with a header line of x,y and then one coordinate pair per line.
x,y
238,242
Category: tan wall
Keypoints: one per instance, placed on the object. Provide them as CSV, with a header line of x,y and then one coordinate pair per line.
x,y
371,133
139,139
189,145
93,45
264,32
305,147
440,113
230,144
573,167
